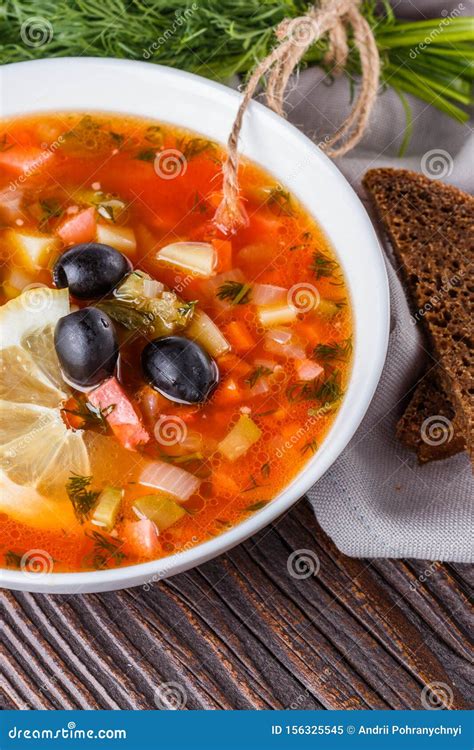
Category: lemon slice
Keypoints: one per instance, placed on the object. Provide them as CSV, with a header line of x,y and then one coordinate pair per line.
x,y
37,450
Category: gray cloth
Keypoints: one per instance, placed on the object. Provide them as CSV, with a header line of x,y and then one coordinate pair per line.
x,y
376,501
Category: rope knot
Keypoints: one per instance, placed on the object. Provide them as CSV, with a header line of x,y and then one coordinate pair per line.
x,y
294,37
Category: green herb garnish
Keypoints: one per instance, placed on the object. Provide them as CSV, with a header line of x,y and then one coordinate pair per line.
x,y
279,200
258,373
146,154
428,58
339,350
154,135
310,446
106,550
193,147
265,469
328,392
82,498
51,209
188,307
235,292
93,416
13,559
257,506
4,145
322,266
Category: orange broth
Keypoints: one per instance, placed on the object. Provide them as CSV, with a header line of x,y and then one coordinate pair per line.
x,y
54,165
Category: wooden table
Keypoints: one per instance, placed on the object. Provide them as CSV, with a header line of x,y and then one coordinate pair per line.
x,y
241,632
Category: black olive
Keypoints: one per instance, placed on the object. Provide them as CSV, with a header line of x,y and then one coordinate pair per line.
x,y
87,346
180,369
90,270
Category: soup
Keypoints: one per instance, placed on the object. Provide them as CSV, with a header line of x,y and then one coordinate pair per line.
x,y
160,380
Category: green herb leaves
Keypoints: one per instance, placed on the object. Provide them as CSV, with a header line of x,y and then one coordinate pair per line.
x,y
235,292
81,496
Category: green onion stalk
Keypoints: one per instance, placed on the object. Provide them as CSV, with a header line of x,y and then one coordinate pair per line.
x,y
431,59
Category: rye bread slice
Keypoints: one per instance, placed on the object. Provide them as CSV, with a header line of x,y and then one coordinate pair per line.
x,y
430,425
431,229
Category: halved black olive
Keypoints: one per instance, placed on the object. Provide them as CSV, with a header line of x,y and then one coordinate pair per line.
x,y
180,369
87,346
90,270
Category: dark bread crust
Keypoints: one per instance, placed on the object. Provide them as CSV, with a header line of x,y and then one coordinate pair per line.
x,y
420,420
431,229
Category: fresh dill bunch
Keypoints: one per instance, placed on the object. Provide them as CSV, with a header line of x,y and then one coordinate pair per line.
x,y
221,38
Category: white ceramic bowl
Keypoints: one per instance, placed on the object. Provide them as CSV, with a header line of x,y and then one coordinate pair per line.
x,y
88,84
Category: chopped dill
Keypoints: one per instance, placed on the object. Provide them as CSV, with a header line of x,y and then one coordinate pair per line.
x,y
51,209
235,292
340,350
193,147
154,135
253,484
331,391
322,266
310,446
106,549
279,200
188,307
93,416
13,559
146,154
200,205
258,373
4,145
81,496
328,392
265,469
257,505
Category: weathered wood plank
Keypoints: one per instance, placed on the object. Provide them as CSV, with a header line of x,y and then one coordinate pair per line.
x,y
243,632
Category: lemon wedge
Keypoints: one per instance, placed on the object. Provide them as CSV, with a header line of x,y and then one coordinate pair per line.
x,y
37,451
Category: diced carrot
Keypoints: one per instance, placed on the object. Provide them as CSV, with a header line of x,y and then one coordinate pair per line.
x,y
223,484
80,227
310,331
228,392
140,538
230,363
239,336
290,430
24,159
224,255
120,413
74,421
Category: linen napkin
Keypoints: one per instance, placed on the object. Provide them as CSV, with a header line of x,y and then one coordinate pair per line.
x,y
375,501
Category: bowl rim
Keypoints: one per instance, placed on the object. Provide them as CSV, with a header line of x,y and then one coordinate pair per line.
x,y
155,570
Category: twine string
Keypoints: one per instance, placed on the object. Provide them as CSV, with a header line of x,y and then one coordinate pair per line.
x,y
294,38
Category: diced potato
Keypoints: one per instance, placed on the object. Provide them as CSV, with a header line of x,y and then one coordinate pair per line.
x,y
276,315
31,251
199,258
121,238
162,510
107,508
241,437
203,330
